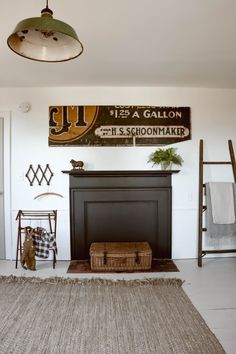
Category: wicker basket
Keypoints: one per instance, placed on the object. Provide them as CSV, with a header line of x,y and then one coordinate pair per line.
x,y
120,256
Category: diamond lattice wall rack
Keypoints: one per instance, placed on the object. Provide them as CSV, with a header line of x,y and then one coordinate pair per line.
x,y
39,174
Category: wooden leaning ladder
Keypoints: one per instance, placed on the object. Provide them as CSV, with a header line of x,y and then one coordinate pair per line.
x,y
202,191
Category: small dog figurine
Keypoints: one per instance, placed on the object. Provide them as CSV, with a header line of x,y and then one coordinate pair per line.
x,y
28,255
77,164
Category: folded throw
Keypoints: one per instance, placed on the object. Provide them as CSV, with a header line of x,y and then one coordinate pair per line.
x,y
217,230
222,202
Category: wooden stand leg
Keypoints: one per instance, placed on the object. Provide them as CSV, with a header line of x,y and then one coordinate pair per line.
x,y
54,259
18,247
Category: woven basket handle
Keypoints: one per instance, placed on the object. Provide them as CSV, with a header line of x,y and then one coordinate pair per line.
x,y
105,257
137,258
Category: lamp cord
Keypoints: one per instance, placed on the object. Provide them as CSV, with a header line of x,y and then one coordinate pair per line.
x,y
46,4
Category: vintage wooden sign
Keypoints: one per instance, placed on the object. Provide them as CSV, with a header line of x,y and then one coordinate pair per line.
x,y
118,125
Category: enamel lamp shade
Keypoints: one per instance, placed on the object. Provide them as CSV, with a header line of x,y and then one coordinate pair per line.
x,y
45,39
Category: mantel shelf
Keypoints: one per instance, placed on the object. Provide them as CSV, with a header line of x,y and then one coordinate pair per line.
x,y
123,173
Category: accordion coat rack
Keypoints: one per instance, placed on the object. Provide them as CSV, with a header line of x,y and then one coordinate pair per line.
x,y
202,191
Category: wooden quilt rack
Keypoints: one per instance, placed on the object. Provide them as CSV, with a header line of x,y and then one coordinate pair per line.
x,y
202,192
25,217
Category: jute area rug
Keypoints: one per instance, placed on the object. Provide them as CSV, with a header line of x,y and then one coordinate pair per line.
x,y
62,316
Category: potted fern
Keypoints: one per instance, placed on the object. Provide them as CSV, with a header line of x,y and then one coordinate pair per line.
x,y
165,158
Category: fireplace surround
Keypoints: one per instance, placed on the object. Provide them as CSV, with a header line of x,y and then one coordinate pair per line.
x,y
120,206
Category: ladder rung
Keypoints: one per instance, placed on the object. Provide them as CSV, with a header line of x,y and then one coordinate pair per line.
x,y
217,163
219,251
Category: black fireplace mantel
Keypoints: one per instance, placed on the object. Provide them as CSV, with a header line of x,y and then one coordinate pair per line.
x,y
125,206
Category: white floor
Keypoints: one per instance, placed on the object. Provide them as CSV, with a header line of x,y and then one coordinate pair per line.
x,y
212,289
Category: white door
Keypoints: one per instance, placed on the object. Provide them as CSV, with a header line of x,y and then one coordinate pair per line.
x,y
2,234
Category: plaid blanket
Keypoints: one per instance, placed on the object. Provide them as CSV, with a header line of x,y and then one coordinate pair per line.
x,y
43,242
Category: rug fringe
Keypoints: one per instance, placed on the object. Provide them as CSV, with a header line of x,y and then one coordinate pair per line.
x,y
92,281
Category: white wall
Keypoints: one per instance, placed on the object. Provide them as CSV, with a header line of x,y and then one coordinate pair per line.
x,y
213,118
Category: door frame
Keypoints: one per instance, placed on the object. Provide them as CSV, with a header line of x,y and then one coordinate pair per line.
x,y
7,182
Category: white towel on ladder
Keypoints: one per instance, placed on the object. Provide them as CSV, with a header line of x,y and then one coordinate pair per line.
x,y
222,201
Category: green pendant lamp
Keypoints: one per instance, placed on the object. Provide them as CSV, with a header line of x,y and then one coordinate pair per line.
x,y
45,39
